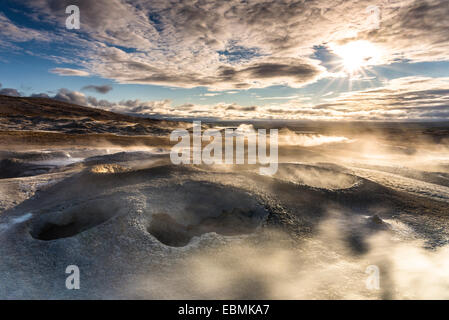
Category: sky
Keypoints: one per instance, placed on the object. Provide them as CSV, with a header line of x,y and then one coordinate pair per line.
x,y
370,60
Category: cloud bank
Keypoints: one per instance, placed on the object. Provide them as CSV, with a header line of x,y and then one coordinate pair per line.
x,y
99,89
406,99
69,72
239,44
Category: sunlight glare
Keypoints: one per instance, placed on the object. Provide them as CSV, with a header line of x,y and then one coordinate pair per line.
x,y
357,55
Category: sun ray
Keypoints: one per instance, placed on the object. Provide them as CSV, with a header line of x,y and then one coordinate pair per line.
x,y
357,55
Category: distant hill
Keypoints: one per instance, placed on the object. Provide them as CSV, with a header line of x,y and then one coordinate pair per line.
x,y
48,115
50,108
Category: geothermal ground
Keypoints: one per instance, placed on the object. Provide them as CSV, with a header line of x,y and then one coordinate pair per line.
x,y
97,190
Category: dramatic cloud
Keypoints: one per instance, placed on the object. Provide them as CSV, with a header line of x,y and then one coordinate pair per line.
x,y
9,31
417,30
242,44
9,92
237,45
40,95
262,73
99,89
135,107
110,21
69,72
75,97
408,99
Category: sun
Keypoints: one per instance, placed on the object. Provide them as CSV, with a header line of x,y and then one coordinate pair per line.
x,y
357,55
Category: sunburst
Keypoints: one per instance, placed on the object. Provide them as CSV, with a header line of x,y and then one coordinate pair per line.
x,y
357,55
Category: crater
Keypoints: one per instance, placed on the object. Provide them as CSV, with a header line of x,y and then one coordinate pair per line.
x,y
316,177
171,233
229,223
196,208
74,220
16,168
